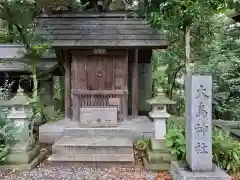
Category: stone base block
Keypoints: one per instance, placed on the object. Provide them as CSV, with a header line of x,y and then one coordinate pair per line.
x,y
21,157
99,117
181,172
163,166
98,132
158,146
50,133
93,158
133,129
24,167
154,157
100,165
89,145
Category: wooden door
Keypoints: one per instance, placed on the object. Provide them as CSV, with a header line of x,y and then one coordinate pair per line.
x,y
99,73
98,78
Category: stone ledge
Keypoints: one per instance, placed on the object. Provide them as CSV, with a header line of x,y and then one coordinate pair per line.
x,y
24,167
94,142
136,128
23,157
92,158
163,166
49,137
180,172
158,157
49,133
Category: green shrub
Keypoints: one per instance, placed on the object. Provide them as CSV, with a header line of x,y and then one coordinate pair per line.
x,y
226,151
7,138
142,143
176,121
176,142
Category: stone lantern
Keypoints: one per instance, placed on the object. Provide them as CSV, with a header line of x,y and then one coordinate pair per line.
x,y
158,157
159,114
20,113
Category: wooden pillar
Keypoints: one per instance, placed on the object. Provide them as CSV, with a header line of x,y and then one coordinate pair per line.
x,y
135,84
125,95
67,85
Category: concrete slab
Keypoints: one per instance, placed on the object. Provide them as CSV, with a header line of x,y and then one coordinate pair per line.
x,y
62,150
24,167
50,133
89,145
163,166
181,172
158,157
99,132
92,158
22,157
97,142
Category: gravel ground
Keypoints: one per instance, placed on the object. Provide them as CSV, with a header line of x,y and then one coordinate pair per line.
x,y
74,172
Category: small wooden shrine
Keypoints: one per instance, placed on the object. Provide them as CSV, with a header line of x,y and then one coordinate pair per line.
x,y
97,52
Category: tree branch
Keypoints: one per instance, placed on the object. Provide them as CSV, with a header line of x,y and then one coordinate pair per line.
x,y
23,37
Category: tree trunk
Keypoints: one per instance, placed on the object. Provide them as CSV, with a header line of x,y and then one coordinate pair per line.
x,y
187,37
35,81
187,62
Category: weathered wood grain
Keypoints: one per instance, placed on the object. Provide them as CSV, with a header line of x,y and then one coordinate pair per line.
x,y
97,78
100,32
84,30
104,37
110,43
102,21
95,26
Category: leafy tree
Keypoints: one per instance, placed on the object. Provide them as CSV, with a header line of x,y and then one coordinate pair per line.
x,y
19,14
222,59
199,23
182,14
21,18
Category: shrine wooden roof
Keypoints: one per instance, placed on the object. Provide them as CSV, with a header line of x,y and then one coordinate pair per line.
x,y
99,30
18,66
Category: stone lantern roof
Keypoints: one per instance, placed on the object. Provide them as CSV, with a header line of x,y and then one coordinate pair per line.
x,y
160,99
19,99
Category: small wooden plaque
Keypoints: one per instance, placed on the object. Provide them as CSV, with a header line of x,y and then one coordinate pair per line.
x,y
99,51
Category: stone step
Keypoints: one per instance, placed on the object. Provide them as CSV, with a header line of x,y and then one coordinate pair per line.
x,y
92,145
93,158
98,132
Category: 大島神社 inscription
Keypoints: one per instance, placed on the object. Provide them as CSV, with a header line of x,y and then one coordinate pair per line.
x,y
199,135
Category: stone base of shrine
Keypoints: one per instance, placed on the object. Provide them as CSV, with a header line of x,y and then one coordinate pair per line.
x,y
133,129
20,155
24,167
163,166
181,172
